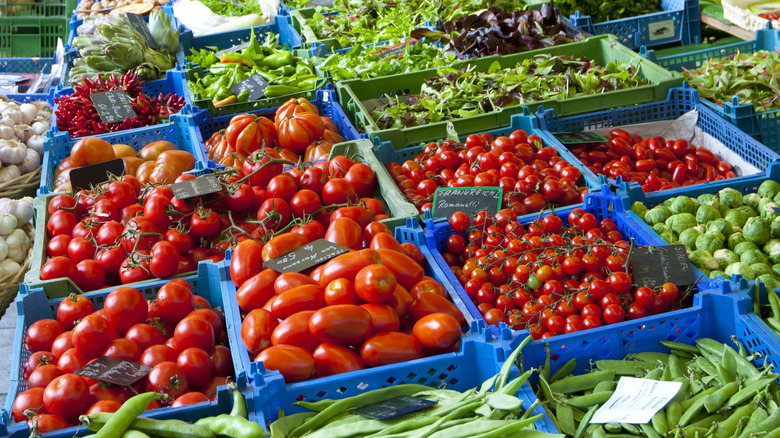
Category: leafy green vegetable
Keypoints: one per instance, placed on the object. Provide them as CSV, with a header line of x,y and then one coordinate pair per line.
x,y
464,93
230,9
601,11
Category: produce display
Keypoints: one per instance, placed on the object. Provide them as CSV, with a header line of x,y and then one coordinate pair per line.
x,y
468,92
179,335
109,45
752,78
498,32
725,233
15,217
656,163
23,129
532,176
364,64
76,113
297,132
724,393
607,11
285,72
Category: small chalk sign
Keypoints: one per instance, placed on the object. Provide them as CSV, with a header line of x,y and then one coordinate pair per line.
x,y
305,257
393,407
233,49
115,371
94,174
191,188
652,266
323,3
113,106
470,200
578,137
255,84
394,50
140,25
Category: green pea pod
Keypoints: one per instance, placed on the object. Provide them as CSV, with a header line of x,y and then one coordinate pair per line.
x,y
512,387
675,367
134,434
124,416
679,346
280,90
606,385
660,426
583,426
564,370
239,403
719,397
281,427
673,412
582,382
150,426
595,398
565,418
648,431
234,427
728,427
624,367
515,426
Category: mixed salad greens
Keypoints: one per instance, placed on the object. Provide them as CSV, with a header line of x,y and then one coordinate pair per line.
x,y
234,9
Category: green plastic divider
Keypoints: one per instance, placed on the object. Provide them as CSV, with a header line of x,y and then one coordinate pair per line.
x,y
31,37
603,48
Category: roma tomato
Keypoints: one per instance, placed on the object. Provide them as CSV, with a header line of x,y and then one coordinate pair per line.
x,y
336,359
389,348
347,265
294,330
306,297
341,324
383,318
437,331
345,232
375,283
294,363
256,330
427,303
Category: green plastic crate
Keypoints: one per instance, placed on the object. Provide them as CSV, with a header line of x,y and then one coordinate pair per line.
x,y
30,37
58,8
603,48
191,75
300,18
398,207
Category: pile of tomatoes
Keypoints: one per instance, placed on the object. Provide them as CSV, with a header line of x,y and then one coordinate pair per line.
x,y
365,308
532,176
549,278
179,335
655,163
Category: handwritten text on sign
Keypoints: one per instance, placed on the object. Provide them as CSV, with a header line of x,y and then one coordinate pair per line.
x,y
113,106
636,401
652,266
116,371
305,257
191,188
448,200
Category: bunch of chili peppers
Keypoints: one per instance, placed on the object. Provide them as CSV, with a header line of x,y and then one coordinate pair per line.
x,y
77,115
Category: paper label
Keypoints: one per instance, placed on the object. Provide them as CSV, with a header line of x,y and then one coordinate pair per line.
x,y
636,401
660,30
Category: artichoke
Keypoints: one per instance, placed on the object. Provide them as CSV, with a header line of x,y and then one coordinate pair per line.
x,y
123,55
166,38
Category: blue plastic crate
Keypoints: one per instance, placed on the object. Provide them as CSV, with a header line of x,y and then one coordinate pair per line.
x,y
281,26
602,205
679,101
764,126
715,316
476,362
31,67
744,291
34,306
411,232
203,124
679,22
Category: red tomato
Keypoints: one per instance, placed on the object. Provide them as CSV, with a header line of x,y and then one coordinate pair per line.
x,y
104,406
383,318
41,335
41,376
47,423
294,363
124,349
341,324
193,332
346,232
175,301
37,359
144,336
347,265
189,398
437,331
66,396
336,359
294,330
71,360
59,267
221,361
168,378
197,365
123,308
389,348
157,354
256,330
91,334
306,297
246,261
407,272
428,302
30,399
375,283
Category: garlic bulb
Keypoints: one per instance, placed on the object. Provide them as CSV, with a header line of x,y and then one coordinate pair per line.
x,y
7,121
36,143
29,112
9,173
31,162
14,115
6,132
40,127
23,132
21,208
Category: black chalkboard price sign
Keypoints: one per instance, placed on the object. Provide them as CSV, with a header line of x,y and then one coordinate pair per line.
x,y
113,106
393,407
578,137
255,84
115,371
203,185
470,200
652,266
305,257
140,25
94,174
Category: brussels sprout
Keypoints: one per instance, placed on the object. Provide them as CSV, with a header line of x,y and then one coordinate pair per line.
x,y
722,226
729,197
774,253
681,222
768,245
640,209
761,269
706,213
703,260
742,269
776,269
769,280
706,272
683,204
775,229
706,199
751,200
718,273
722,209
688,237
753,256
769,189
710,242
768,212
735,239
668,203
657,214
662,228
725,257
736,218
776,199
669,237
744,246
748,211
756,230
